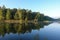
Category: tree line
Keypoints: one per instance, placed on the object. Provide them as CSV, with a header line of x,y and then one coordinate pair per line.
x,y
21,14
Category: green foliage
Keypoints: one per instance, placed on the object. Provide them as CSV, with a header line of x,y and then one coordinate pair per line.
x,y
8,14
1,16
21,14
18,15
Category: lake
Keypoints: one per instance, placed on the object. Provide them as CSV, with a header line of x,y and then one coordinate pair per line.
x,y
30,31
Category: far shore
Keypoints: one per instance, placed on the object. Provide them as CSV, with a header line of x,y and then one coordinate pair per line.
x,y
22,21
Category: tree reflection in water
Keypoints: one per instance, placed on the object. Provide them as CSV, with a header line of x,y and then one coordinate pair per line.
x,y
19,28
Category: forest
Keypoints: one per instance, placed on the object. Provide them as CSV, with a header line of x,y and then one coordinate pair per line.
x,y
22,15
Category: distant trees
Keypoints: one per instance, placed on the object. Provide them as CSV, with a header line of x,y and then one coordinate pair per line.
x,y
21,14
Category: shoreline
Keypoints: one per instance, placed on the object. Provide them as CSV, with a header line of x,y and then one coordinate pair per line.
x,y
22,21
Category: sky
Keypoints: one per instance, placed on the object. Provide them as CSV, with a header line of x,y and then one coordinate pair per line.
x,y
47,7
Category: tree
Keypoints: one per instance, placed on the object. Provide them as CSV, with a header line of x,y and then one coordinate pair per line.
x,y
8,14
1,16
28,15
4,11
18,15
13,11
37,16
23,14
41,17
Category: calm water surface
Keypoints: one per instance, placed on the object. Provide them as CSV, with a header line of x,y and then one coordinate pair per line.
x,y
30,31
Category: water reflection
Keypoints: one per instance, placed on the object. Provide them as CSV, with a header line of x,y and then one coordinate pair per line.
x,y
7,28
